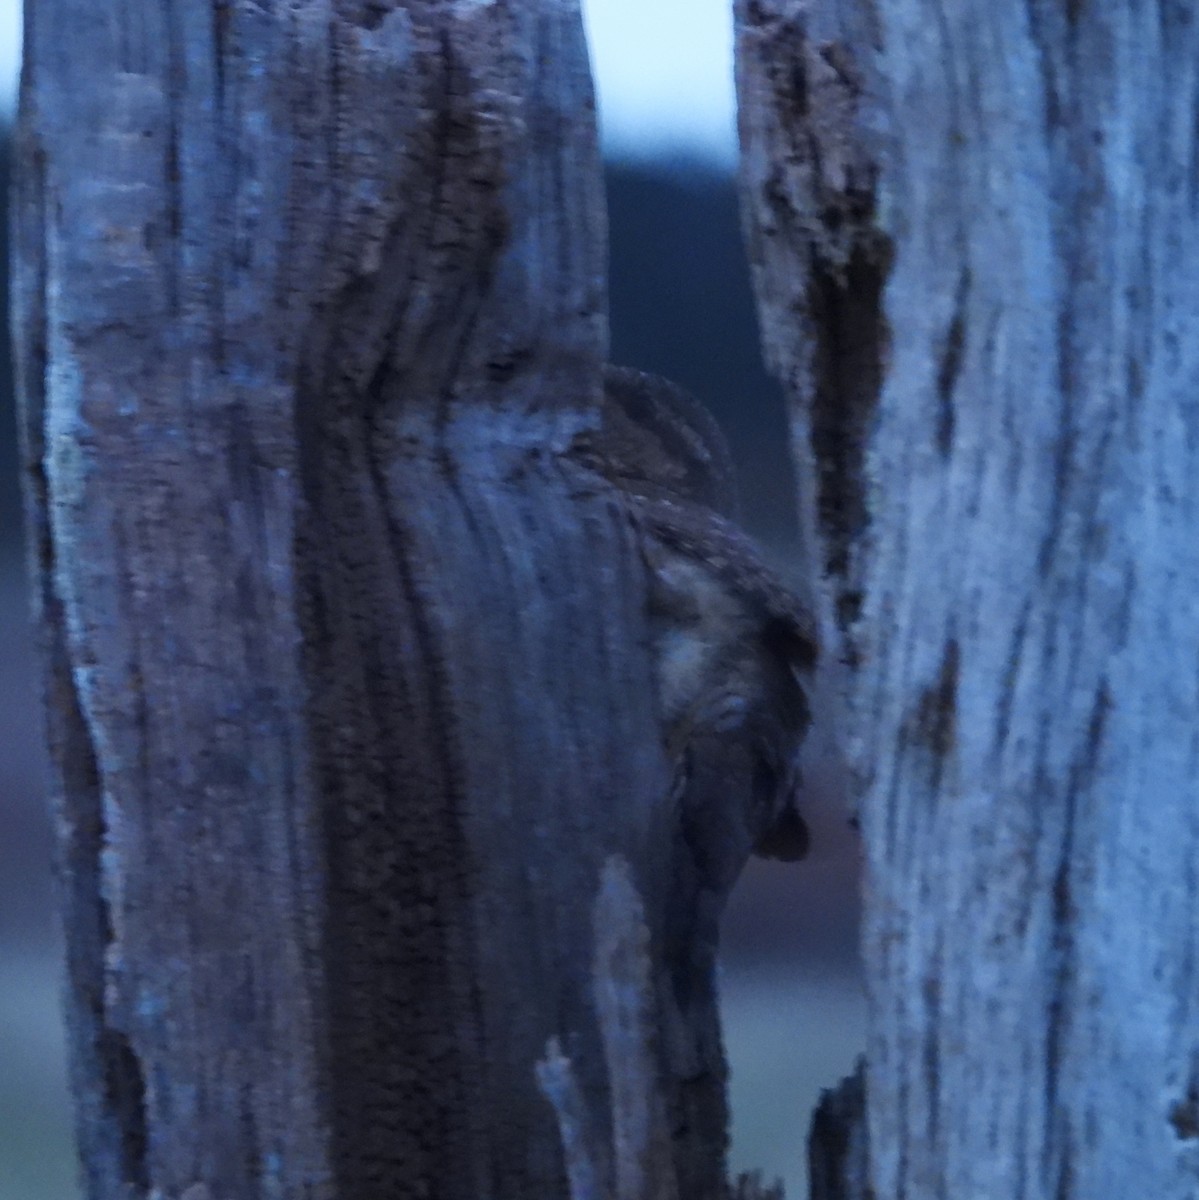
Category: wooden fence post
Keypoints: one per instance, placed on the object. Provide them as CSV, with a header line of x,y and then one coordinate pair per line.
x,y
976,248
344,655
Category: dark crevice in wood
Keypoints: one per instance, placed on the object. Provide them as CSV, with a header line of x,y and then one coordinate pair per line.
x,y
1065,904
837,1143
848,607
222,16
1063,465
125,1098
903,1168
1043,38
1193,156
250,1139
1062,982
390,971
370,14
934,723
850,359
1096,729
1011,672
930,991
504,368
1184,1114
1066,445
173,190
950,364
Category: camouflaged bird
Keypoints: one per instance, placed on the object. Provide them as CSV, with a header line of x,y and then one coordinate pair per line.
x,y
732,646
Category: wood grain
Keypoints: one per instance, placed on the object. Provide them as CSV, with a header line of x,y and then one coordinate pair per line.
x,y
975,250
344,656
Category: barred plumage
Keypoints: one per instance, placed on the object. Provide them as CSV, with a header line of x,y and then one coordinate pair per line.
x,y
732,644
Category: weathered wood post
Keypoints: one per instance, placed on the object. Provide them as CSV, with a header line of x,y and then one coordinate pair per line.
x,y
976,244
348,695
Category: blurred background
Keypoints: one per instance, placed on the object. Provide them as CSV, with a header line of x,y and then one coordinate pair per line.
x,y
680,306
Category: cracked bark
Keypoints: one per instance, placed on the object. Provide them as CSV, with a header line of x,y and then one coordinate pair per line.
x,y
975,251
346,690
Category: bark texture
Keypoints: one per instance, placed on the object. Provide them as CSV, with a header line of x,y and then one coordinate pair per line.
x,y
838,1162
347,691
976,250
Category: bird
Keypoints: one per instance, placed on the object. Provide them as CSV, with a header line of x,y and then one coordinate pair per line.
x,y
733,648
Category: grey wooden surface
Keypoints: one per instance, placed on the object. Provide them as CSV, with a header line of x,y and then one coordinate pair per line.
x,y
348,698
974,233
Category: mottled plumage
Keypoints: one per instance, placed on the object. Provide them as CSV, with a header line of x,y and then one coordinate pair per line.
x,y
731,642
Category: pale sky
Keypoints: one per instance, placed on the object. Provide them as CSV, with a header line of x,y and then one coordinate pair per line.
x,y
10,52
664,71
